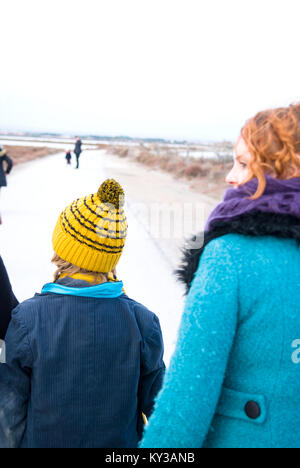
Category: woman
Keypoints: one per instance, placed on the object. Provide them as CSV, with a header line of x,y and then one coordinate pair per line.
x,y
234,378
7,300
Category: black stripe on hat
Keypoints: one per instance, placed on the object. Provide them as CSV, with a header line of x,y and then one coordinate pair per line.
x,y
97,228
117,210
89,245
101,217
112,247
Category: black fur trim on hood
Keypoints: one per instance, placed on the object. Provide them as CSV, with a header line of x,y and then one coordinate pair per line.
x,y
255,223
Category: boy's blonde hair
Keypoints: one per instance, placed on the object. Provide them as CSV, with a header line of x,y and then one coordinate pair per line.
x,y
68,269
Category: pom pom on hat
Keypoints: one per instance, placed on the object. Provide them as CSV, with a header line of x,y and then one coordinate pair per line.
x,y
111,192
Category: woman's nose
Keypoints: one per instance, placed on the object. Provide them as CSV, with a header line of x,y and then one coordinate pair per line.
x,y
230,178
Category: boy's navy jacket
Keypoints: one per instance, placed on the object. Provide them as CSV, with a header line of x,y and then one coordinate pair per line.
x,y
7,300
82,364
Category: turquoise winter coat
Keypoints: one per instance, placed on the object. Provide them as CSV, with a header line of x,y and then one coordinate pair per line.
x,y
234,379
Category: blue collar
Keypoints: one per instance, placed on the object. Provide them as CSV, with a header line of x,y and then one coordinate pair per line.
x,y
101,291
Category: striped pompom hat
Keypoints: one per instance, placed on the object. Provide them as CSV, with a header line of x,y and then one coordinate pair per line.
x,y
91,232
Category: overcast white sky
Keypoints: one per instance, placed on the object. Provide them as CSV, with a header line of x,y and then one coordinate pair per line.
x,y
193,69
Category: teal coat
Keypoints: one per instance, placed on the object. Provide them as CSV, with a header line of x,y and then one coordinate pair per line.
x,y
234,379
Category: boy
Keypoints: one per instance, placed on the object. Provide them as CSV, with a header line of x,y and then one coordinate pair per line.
x,y
83,360
68,157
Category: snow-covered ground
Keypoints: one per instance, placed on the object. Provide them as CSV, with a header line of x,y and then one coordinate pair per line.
x,y
30,205
207,151
42,143
196,154
12,140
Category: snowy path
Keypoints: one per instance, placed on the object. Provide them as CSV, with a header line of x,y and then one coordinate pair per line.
x,y
36,194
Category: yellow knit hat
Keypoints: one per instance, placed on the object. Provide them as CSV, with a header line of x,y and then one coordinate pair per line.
x,y
91,232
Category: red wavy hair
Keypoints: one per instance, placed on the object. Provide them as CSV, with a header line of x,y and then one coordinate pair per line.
x,y
273,140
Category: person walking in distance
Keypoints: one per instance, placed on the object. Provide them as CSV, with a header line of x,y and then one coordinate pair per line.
x,y
6,165
68,157
78,151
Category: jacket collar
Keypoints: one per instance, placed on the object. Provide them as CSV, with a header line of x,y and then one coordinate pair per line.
x,y
101,291
253,223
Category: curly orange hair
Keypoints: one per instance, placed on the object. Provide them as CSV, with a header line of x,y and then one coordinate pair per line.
x,y
273,140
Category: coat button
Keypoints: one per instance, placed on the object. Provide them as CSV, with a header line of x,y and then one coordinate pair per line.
x,y
252,410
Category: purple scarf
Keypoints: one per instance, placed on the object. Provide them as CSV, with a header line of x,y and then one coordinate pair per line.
x,y
280,196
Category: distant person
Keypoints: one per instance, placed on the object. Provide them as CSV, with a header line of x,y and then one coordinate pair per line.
x,y
78,151
6,165
68,157
7,302
234,378
84,361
